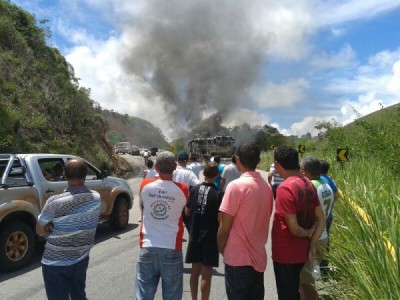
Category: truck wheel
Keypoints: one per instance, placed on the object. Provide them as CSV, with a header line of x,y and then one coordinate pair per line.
x,y
17,244
120,214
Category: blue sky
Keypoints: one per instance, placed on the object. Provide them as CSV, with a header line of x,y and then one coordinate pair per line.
x,y
300,62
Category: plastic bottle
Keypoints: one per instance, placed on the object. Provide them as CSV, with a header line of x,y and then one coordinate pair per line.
x,y
315,271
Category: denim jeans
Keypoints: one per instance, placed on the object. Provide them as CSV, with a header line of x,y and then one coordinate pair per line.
x,y
155,263
244,283
66,282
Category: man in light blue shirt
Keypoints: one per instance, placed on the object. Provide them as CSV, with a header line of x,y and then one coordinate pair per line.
x,y
70,219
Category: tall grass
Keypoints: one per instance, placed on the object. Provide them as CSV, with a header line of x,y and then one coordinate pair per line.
x,y
365,234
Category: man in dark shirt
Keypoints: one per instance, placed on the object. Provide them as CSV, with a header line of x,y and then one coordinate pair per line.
x,y
202,252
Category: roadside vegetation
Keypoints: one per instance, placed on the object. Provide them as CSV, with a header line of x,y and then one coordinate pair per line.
x,y
365,233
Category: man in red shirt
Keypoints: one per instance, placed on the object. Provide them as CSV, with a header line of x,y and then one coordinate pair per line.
x,y
298,224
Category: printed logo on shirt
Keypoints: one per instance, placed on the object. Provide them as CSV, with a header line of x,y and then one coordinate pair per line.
x,y
160,210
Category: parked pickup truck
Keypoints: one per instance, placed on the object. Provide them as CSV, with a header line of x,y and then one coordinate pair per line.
x,y
27,181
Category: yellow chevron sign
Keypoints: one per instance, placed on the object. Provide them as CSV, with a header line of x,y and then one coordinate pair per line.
x,y
341,155
302,148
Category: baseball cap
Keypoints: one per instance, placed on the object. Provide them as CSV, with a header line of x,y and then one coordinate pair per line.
x,y
183,156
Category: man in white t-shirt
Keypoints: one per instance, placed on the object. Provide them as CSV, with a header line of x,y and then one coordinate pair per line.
x,y
311,168
195,166
230,173
162,201
183,173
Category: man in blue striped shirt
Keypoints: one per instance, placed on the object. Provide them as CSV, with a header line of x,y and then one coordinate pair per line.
x,y
70,219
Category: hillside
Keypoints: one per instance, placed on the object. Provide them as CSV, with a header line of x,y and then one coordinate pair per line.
x,y
139,132
42,106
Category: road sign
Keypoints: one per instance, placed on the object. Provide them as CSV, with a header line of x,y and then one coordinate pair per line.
x,y
342,155
302,148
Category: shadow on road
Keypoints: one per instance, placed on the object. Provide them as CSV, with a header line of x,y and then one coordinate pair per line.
x,y
103,233
215,272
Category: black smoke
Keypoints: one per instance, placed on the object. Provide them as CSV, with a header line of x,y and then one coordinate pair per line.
x,y
202,57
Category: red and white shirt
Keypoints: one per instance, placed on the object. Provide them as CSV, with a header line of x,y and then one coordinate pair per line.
x,y
162,202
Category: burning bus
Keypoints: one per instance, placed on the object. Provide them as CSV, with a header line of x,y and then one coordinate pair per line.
x,y
223,145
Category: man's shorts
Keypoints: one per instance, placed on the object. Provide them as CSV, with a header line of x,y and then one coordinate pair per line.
x,y
305,274
204,252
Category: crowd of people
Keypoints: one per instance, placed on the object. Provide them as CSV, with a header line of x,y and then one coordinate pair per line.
x,y
226,213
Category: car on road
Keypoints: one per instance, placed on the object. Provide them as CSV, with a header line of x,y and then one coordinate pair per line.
x,y
121,150
27,181
134,151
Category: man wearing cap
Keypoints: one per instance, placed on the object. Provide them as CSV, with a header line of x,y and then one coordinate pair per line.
x,y
184,174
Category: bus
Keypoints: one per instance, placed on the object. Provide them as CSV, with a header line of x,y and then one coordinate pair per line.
x,y
223,145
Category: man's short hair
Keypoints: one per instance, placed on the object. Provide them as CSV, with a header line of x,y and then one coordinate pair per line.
x,y
249,155
217,158
287,157
312,166
324,166
75,168
149,163
211,170
165,162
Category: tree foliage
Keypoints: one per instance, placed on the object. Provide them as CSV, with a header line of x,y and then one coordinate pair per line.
x,y
43,108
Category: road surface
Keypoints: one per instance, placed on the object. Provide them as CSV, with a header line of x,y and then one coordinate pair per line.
x,y
111,273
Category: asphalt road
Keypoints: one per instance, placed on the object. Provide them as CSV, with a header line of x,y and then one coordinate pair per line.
x,y
112,264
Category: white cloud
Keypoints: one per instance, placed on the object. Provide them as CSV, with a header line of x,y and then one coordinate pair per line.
x,y
281,95
345,58
335,12
290,26
393,84
305,125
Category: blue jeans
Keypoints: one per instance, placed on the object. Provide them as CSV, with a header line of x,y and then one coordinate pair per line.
x,y
155,263
244,283
66,282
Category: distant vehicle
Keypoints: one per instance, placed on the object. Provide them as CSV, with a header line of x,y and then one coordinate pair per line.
x,y
122,147
135,150
223,145
121,150
25,188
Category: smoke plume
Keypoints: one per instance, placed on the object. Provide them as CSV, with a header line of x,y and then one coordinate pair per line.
x,y
202,57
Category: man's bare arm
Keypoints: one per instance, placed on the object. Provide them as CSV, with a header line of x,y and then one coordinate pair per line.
x,y
295,229
319,228
40,229
225,225
222,185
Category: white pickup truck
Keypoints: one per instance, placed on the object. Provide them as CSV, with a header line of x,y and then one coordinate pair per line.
x,y
27,181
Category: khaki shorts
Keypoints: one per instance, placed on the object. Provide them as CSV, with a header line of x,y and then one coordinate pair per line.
x,y
305,274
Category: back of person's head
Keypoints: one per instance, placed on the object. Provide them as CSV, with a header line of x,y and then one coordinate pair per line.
x,y
149,163
312,166
183,156
287,157
324,166
165,162
193,158
211,170
233,158
249,155
206,157
217,159
75,168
